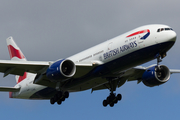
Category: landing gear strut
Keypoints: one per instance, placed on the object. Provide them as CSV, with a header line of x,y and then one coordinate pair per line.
x,y
160,57
112,98
158,60
59,97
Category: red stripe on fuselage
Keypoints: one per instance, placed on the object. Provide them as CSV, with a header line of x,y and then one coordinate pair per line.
x,y
139,32
14,52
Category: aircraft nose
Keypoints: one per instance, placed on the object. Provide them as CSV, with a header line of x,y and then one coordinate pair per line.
x,y
172,36
166,36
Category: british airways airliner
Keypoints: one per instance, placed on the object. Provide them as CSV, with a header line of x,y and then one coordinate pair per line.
x,y
105,66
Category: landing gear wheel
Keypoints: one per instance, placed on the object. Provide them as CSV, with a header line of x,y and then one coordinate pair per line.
x,y
52,101
59,97
56,98
105,103
112,99
59,102
59,94
112,85
112,96
112,104
119,97
108,99
66,94
116,101
63,99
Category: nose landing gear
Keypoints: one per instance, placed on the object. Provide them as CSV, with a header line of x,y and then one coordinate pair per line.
x,y
160,57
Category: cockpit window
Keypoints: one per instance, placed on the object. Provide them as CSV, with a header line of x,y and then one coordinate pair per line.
x,y
164,29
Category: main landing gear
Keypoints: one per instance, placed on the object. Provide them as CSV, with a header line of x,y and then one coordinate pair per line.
x,y
112,98
59,97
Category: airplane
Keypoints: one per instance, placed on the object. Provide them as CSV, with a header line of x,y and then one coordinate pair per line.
x,y
105,66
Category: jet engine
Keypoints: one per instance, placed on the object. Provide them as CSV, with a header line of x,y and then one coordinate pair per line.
x,y
61,70
156,75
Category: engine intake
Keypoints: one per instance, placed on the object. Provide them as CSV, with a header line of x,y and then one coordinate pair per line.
x,y
61,70
156,75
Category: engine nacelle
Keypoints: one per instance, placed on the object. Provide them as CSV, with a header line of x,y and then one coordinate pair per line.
x,y
156,75
61,70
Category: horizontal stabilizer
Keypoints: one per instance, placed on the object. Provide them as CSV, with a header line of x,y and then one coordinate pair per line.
x,y
9,89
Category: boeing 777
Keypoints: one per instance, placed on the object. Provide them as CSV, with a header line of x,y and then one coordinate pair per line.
x,y
105,66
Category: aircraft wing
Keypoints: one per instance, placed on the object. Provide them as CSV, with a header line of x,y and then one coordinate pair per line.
x,y
137,72
81,70
174,71
19,67
132,74
39,67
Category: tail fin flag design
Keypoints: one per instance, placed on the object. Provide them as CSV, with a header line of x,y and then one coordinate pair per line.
x,y
16,54
14,51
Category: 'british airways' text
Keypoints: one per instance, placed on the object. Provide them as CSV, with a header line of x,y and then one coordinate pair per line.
x,y
119,50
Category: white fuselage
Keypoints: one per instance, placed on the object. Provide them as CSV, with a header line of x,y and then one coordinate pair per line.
x,y
111,50
122,40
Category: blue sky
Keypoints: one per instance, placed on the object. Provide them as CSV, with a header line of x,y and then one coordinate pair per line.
x,y
50,30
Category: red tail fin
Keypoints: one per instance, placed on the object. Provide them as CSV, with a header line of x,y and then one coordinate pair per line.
x,y
16,54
